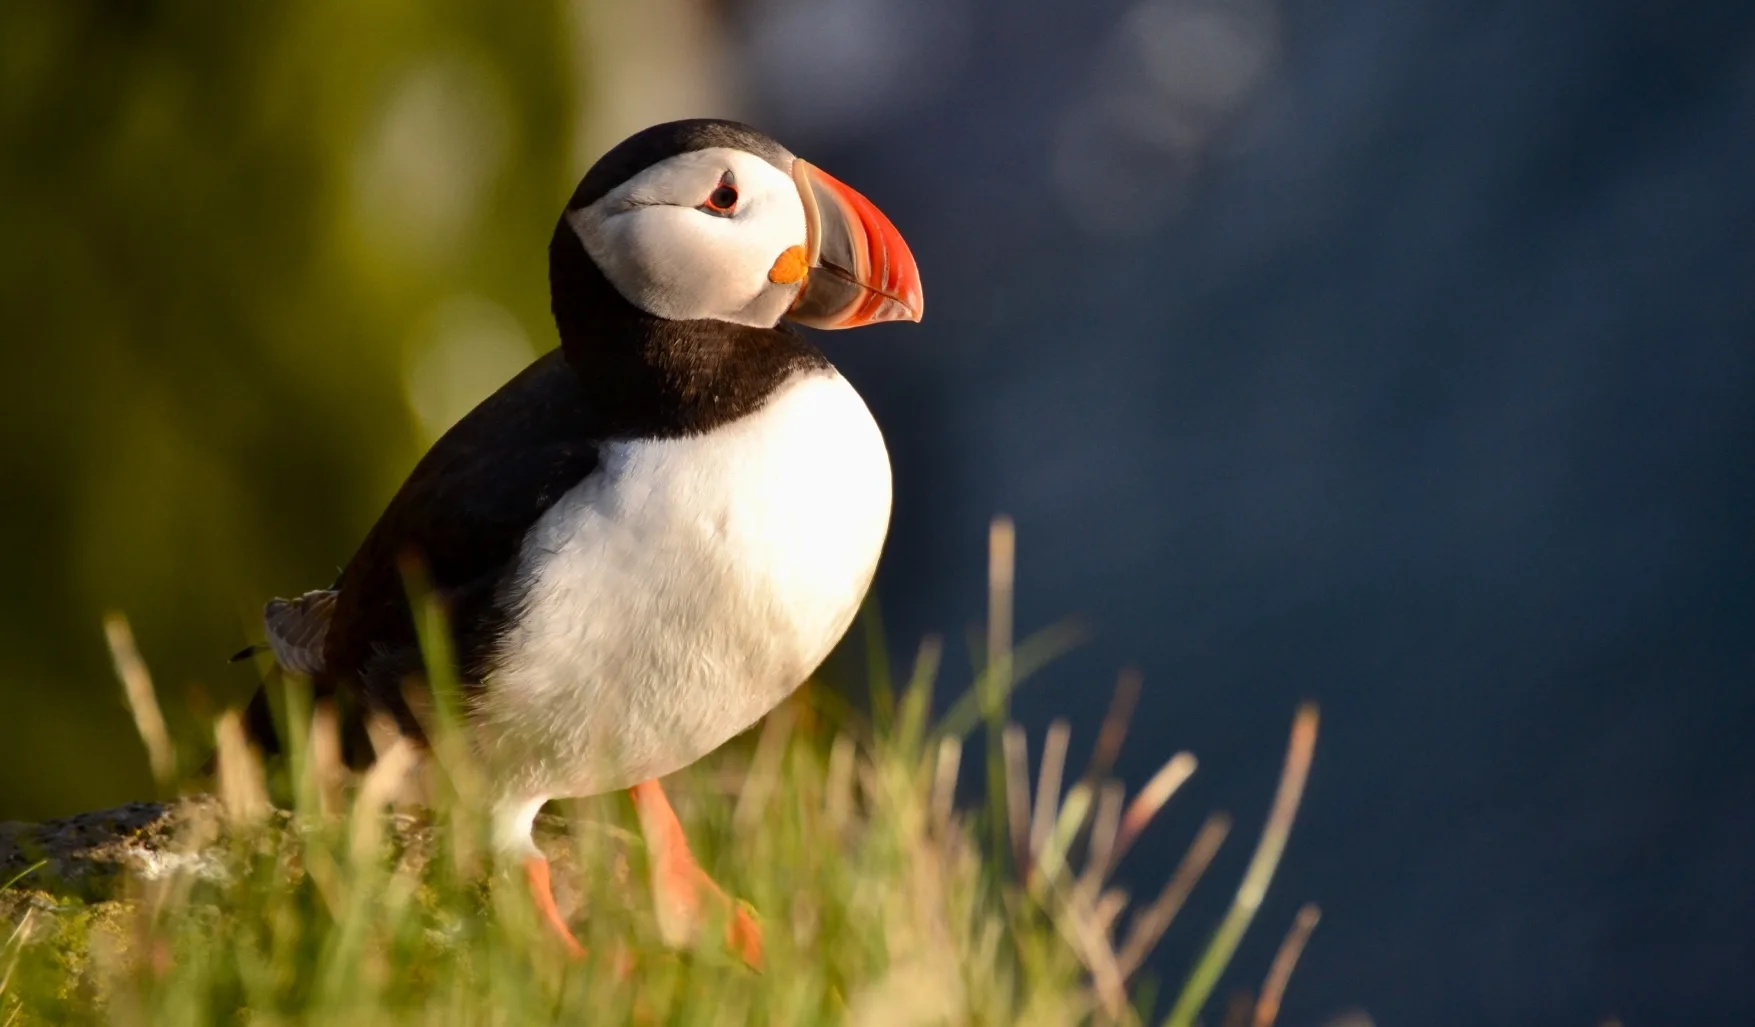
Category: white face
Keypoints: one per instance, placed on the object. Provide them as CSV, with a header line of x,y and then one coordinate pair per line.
x,y
666,241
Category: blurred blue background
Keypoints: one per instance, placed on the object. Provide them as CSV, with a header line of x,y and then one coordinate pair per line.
x,y
1399,355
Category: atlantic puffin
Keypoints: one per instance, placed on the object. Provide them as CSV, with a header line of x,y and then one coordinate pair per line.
x,y
651,536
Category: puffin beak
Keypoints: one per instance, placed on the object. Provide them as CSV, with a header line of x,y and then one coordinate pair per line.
x,y
860,270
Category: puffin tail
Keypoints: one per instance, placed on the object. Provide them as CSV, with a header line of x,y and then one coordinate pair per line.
x,y
296,629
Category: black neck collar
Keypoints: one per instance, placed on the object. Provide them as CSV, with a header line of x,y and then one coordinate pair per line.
x,y
650,377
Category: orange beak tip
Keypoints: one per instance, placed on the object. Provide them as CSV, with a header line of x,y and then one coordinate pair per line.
x,y
868,274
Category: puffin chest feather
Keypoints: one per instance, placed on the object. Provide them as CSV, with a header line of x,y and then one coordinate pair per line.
x,y
688,586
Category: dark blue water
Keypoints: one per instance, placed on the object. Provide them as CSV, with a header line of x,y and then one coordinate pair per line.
x,y
1409,366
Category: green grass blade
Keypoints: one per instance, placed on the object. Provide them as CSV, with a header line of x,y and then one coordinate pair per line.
x,y
877,668
22,874
1260,872
1031,655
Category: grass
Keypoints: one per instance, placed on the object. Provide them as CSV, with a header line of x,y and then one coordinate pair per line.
x,y
882,903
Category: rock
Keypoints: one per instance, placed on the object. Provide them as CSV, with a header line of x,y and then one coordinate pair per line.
x,y
89,858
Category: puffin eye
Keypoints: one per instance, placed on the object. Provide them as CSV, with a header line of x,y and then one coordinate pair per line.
x,y
722,201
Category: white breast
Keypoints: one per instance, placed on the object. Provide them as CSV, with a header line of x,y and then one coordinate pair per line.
x,y
684,590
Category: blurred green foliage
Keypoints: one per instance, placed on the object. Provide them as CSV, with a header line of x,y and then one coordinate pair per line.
x,y
243,247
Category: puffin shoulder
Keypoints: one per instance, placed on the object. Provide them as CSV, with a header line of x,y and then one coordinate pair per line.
x,y
463,514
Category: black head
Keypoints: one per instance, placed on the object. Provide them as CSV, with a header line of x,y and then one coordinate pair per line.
x,y
653,145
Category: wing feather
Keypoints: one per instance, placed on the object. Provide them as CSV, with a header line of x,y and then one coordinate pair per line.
x,y
297,629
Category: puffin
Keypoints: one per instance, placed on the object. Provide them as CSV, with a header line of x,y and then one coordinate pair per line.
x,y
650,537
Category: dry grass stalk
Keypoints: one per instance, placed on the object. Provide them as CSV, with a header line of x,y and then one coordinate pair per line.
x,y
1098,855
1238,1009
1108,909
142,700
1052,858
1149,925
838,784
327,769
382,786
994,685
1164,784
242,790
1017,795
944,781
14,942
1001,580
1273,989
1107,980
1114,730
1048,783
383,733
926,661
764,773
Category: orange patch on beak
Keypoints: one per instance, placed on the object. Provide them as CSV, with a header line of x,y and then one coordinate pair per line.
x,y
790,266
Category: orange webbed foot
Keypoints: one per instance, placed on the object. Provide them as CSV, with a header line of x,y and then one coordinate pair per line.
x,y
678,882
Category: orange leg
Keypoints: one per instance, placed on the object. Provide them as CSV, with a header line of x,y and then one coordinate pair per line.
x,y
678,881
543,895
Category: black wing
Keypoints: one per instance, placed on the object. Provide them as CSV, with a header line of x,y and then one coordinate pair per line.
x,y
463,514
